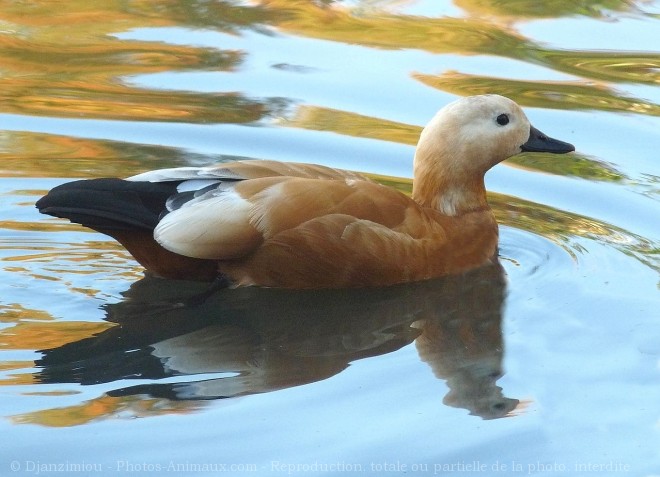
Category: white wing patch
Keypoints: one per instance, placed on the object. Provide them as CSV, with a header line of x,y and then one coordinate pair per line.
x,y
166,175
214,226
195,184
185,174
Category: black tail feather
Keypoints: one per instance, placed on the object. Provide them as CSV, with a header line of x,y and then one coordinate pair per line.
x,y
109,204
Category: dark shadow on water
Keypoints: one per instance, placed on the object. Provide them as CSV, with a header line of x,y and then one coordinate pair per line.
x,y
262,340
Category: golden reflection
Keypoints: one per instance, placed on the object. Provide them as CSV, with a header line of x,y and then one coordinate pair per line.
x,y
577,166
317,118
545,9
102,407
11,365
259,340
541,94
614,66
28,154
118,15
15,312
91,100
31,335
70,65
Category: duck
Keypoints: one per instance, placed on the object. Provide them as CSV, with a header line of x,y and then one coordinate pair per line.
x,y
293,225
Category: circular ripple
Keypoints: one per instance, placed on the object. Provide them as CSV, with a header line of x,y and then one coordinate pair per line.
x,y
525,254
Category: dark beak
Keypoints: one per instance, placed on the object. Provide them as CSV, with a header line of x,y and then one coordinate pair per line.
x,y
539,142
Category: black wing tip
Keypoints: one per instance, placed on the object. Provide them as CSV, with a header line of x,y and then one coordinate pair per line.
x,y
108,203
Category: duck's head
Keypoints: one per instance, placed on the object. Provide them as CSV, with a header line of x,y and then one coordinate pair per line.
x,y
464,140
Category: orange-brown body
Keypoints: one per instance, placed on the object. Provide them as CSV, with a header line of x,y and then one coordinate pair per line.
x,y
334,234
292,225
340,230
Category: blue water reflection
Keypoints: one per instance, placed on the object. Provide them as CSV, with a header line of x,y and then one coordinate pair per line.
x,y
549,367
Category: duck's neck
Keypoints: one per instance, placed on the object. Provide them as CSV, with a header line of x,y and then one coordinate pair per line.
x,y
449,191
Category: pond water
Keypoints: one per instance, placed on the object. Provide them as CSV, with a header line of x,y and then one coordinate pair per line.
x,y
548,364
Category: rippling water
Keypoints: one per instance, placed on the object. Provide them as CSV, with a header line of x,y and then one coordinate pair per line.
x,y
549,364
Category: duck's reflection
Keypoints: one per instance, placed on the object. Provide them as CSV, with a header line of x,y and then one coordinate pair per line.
x,y
247,341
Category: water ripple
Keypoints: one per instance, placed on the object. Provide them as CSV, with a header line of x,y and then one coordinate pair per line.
x,y
532,254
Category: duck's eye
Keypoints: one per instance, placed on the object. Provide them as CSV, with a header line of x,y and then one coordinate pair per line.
x,y
503,119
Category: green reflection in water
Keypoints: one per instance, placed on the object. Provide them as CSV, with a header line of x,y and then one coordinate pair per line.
x,y
617,67
316,118
561,227
575,165
541,94
545,9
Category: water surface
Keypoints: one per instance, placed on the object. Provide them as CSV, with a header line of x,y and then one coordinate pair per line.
x,y
548,364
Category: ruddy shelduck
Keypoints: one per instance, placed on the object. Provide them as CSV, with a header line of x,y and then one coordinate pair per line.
x,y
293,225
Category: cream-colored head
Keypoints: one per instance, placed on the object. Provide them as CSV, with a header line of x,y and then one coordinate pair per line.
x,y
464,140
